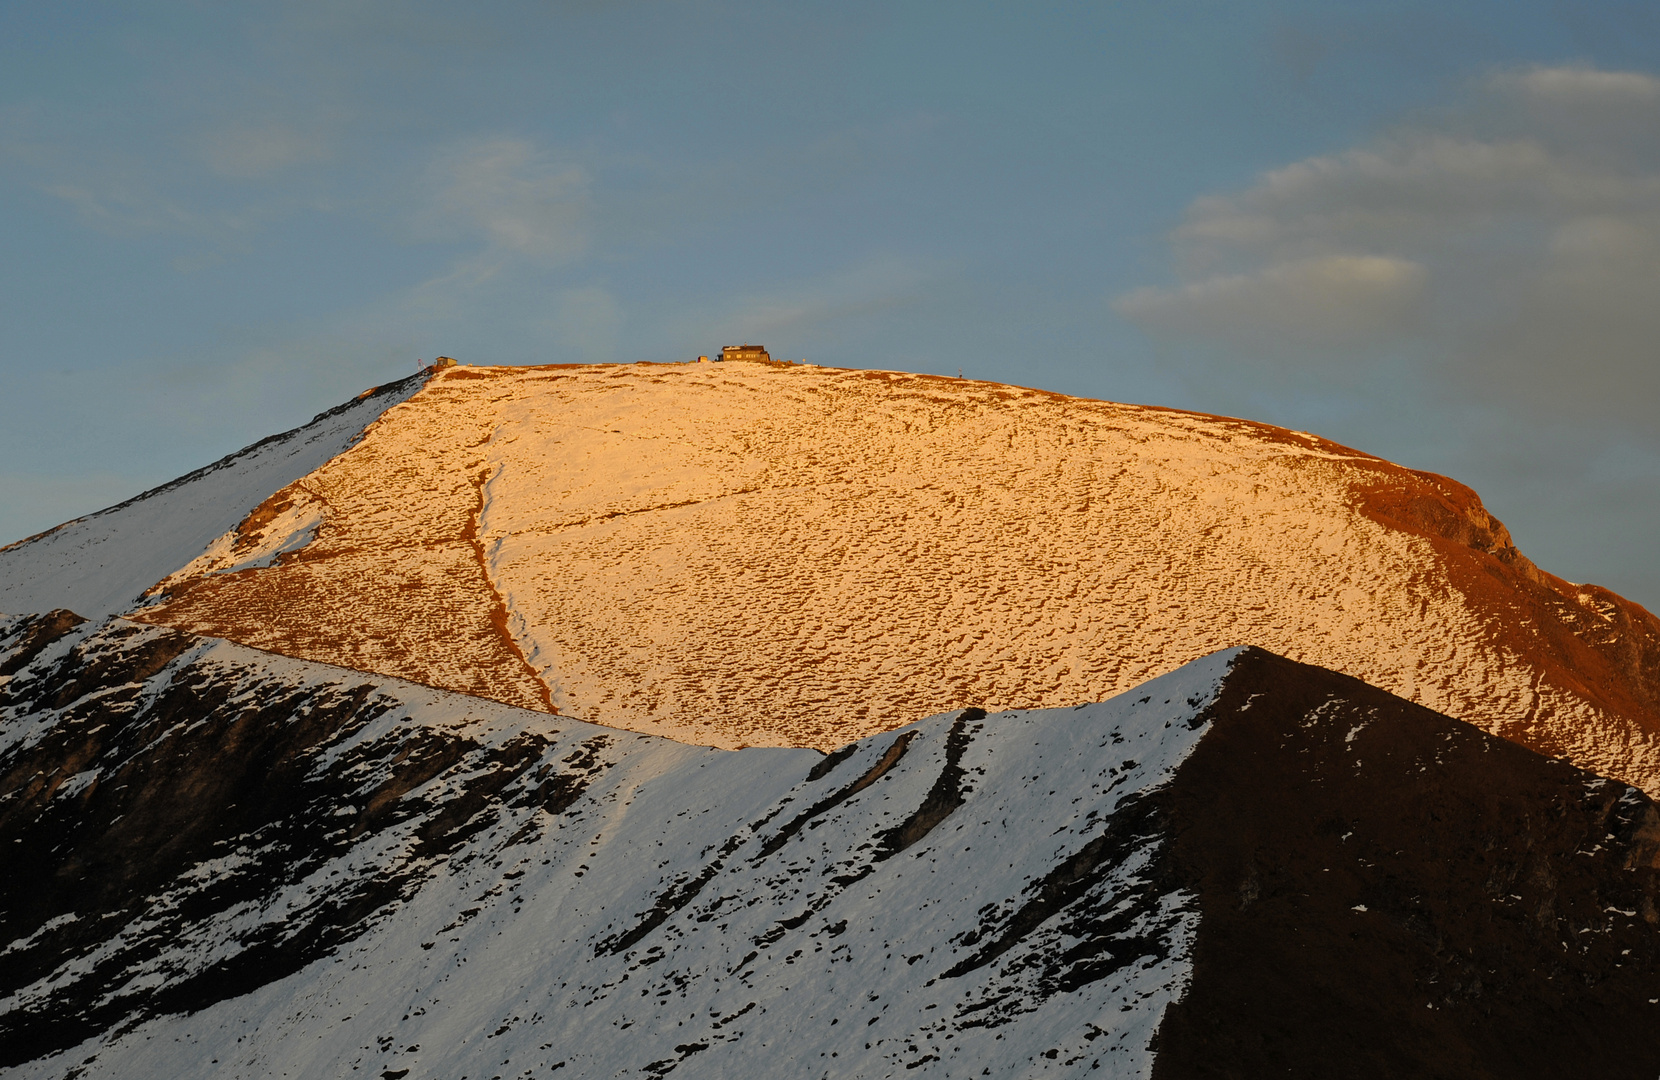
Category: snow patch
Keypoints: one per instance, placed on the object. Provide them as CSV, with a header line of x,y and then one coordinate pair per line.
x,y
762,912
290,530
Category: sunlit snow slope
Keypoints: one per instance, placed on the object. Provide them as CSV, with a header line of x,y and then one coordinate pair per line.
x,y
769,555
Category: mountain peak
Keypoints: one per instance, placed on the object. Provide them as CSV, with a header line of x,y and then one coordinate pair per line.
x,y
776,554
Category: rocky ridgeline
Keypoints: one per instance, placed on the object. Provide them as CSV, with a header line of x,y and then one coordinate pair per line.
x,y
241,864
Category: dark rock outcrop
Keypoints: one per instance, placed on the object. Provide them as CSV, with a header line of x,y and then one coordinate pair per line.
x,y
1387,892
145,787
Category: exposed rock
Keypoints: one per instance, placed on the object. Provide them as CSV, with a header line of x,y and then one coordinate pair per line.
x,y
1424,900
251,865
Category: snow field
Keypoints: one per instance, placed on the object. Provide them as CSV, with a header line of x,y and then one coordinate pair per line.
x,y
744,554
534,943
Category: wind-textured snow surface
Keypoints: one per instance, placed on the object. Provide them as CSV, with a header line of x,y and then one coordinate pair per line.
x,y
101,564
479,891
742,554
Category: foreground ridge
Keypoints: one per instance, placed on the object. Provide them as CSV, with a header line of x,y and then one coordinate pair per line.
x,y
1387,892
261,865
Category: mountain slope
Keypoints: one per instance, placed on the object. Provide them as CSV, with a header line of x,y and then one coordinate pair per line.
x,y
784,555
336,873
101,564
1276,869
1389,893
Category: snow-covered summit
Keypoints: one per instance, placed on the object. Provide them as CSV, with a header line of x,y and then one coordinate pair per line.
x,y
753,554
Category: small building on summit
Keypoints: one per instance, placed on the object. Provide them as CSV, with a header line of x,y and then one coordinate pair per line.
x,y
444,362
744,352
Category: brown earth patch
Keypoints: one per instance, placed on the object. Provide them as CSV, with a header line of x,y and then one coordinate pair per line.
x,y
1591,641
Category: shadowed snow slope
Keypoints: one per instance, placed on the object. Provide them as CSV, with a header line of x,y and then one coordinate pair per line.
x,y
254,866
787,555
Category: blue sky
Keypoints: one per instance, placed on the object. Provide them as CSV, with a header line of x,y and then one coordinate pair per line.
x,y
1431,231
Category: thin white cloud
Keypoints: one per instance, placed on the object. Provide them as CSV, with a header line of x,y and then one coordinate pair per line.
x,y
1323,302
513,195
126,190
124,205
1578,90
248,151
794,307
1511,243
1416,189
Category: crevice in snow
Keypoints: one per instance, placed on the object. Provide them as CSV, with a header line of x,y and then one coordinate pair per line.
x,y
502,617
